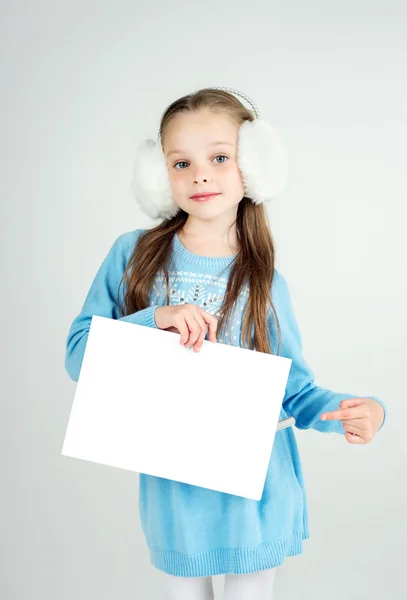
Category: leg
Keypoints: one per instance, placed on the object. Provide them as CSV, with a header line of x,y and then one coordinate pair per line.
x,y
187,588
250,586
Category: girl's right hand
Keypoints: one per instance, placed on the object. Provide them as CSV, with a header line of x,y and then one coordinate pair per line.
x,y
190,321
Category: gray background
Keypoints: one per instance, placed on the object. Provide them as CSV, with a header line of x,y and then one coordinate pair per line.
x,y
82,83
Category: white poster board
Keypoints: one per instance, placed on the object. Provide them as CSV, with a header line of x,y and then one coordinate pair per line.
x,y
145,403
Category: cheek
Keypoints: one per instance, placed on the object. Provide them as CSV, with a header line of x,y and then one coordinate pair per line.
x,y
234,178
232,170
179,187
176,179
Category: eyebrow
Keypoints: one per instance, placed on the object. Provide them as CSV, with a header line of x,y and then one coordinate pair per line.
x,y
212,144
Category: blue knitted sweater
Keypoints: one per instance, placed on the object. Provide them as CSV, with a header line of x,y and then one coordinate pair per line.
x,y
192,531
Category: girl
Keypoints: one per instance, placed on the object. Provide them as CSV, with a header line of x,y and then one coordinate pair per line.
x,y
206,271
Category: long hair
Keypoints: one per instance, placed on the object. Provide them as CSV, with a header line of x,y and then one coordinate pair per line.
x,y
253,265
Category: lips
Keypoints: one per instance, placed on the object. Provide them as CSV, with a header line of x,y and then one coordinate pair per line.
x,y
205,196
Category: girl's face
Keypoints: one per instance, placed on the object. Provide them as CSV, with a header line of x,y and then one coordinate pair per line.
x,y
198,163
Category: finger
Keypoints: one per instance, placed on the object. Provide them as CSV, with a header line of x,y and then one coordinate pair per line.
x,y
348,414
360,424
345,414
366,433
180,321
354,439
212,323
352,429
183,330
194,330
339,415
357,425
201,337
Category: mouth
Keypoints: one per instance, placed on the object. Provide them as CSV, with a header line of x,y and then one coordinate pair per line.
x,y
204,197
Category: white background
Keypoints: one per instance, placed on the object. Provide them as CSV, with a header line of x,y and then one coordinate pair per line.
x,y
82,83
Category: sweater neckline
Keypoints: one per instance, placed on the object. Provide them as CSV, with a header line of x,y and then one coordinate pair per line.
x,y
199,260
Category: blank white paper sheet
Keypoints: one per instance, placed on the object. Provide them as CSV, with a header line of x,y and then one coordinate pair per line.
x,y
145,403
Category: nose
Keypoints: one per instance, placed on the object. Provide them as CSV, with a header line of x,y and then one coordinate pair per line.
x,y
201,175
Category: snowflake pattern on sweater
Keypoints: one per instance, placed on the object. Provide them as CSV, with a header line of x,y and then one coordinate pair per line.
x,y
204,290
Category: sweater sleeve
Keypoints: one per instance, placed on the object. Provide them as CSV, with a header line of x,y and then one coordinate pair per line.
x,y
102,300
303,399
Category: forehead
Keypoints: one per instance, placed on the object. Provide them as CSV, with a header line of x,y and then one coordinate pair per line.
x,y
203,127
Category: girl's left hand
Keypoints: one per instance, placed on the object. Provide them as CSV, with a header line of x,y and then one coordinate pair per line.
x,y
361,418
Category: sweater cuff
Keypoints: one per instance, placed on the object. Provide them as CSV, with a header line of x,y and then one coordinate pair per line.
x,y
142,317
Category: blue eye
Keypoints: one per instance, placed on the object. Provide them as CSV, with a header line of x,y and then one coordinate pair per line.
x,y
181,162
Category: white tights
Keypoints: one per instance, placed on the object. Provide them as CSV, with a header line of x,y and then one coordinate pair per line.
x,y
248,586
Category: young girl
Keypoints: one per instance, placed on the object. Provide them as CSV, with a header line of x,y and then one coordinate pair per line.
x,y
206,271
